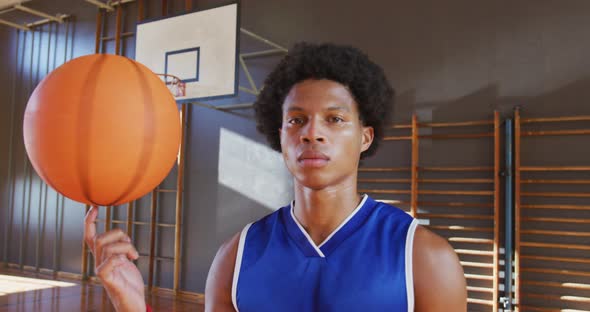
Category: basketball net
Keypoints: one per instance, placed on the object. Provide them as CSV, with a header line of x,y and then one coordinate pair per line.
x,y
176,86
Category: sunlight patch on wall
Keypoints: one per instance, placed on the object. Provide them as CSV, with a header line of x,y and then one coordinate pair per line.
x,y
253,170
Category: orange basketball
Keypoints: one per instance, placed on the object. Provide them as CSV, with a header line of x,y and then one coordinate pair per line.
x,y
102,129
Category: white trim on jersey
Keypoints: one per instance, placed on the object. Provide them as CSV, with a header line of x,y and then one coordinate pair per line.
x,y
345,220
238,266
317,249
409,264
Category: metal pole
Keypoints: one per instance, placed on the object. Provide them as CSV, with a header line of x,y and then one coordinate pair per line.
x,y
495,269
61,227
224,107
56,236
26,174
60,198
71,35
55,45
101,5
38,13
9,178
98,31
57,194
56,233
154,203
42,194
7,11
415,151
235,106
44,21
118,30
130,206
45,186
22,92
509,202
108,218
247,72
247,90
66,38
42,185
34,80
84,268
15,25
261,53
179,195
259,38
516,164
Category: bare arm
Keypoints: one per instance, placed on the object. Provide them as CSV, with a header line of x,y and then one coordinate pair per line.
x,y
439,281
218,296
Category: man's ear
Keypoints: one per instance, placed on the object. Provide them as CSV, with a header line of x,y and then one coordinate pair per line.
x,y
367,138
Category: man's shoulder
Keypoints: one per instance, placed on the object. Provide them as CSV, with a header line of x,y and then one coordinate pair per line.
x,y
427,243
438,276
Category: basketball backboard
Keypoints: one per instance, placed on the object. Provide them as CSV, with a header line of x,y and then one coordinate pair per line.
x,y
200,48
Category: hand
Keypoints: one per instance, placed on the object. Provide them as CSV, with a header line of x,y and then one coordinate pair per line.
x,y
113,253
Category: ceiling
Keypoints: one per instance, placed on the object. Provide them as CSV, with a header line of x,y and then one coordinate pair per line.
x,y
8,3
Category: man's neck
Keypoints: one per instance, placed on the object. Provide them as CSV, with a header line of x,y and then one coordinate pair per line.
x,y
320,212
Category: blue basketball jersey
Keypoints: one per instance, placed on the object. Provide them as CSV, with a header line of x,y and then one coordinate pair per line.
x,y
364,265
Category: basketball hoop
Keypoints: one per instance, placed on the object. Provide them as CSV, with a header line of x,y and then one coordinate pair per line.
x,y
176,86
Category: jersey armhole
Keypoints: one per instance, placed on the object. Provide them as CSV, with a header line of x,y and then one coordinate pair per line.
x,y
238,265
409,264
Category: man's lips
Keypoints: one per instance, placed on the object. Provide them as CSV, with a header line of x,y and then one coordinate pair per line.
x,y
312,155
313,159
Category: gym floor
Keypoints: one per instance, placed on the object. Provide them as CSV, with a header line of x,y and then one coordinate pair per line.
x,y
39,292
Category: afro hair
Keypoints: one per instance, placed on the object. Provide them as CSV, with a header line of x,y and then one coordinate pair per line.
x,y
343,64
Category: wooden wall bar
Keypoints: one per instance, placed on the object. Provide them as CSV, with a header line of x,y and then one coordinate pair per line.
x,y
476,245
552,264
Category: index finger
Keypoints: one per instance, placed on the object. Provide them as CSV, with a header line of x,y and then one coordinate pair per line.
x,y
90,227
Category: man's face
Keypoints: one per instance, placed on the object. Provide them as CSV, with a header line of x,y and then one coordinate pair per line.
x,y
321,135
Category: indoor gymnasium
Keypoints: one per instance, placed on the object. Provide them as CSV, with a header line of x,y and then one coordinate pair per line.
x,y
309,156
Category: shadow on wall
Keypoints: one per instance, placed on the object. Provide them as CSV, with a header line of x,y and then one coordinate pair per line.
x,y
567,100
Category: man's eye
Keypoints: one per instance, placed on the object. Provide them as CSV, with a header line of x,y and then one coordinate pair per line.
x,y
295,121
335,119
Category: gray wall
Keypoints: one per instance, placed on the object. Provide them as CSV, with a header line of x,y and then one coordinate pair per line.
x,y
448,60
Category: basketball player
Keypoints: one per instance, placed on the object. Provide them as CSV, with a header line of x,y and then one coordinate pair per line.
x,y
324,108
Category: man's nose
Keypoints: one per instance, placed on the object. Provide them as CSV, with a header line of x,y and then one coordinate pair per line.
x,y
313,132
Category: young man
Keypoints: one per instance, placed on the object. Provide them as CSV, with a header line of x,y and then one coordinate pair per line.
x,y
324,108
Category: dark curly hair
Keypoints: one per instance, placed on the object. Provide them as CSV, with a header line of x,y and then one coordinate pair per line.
x,y
343,64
